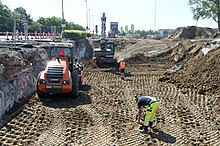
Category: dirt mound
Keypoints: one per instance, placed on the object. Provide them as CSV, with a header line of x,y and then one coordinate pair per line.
x,y
144,50
201,73
137,59
186,50
193,32
195,70
179,53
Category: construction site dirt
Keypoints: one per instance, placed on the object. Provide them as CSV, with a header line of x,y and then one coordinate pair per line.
x,y
104,113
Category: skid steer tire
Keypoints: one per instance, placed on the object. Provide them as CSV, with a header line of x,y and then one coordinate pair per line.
x,y
75,86
80,86
41,94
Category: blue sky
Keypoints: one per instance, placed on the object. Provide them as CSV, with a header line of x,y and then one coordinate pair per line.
x,y
169,13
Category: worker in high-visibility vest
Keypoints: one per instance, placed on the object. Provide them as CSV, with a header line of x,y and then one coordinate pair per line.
x,y
122,69
151,104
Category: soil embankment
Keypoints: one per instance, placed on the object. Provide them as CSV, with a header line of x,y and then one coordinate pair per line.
x,y
19,70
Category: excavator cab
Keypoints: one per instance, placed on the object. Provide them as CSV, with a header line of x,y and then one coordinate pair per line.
x,y
104,56
111,46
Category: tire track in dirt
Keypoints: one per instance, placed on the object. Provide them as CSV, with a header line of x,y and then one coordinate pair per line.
x,y
152,87
184,118
112,99
177,97
202,118
26,127
54,134
77,122
191,118
98,134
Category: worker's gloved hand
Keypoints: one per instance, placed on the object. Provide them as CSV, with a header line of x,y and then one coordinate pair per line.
x,y
141,123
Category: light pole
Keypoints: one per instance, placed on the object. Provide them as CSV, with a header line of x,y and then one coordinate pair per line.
x,y
92,24
155,15
14,29
63,20
25,29
86,16
40,31
89,20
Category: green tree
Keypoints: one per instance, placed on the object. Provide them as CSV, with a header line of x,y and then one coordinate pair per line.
x,y
73,26
206,9
21,15
56,21
6,19
34,26
46,23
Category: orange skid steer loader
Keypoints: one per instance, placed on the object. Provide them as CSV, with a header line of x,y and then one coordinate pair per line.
x,y
60,75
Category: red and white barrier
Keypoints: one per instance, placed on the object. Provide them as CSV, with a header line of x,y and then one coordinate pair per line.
x,y
7,36
31,36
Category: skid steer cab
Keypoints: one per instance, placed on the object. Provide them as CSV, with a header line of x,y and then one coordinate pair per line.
x,y
60,75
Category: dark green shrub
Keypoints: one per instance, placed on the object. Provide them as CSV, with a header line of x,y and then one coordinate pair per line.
x,y
75,34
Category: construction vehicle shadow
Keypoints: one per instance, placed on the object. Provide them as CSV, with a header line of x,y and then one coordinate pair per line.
x,y
86,87
62,101
161,136
13,112
99,65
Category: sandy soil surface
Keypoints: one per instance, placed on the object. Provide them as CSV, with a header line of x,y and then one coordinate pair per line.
x,y
104,114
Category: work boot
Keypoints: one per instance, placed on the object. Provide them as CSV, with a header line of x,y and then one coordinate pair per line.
x,y
150,124
144,129
141,127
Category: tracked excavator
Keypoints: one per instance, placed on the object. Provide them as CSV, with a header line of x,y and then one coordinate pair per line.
x,y
104,55
62,75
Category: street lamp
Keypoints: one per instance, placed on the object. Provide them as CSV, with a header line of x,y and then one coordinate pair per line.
x,y
89,19
63,20
155,15
93,24
86,16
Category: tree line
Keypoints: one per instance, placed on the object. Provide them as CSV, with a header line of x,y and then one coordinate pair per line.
x,y
203,9
42,24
